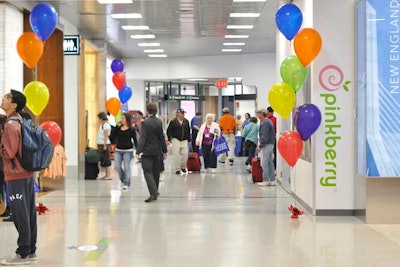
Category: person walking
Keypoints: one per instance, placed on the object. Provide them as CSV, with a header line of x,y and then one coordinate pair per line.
x,y
271,116
265,147
103,142
151,143
246,122
250,135
195,126
178,133
125,136
208,131
20,183
228,124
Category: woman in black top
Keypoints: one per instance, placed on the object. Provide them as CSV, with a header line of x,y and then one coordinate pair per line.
x,y
124,134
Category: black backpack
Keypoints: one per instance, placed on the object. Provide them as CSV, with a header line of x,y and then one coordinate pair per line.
x,y
37,148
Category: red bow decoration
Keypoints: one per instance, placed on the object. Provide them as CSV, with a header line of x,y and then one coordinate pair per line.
x,y
41,209
295,212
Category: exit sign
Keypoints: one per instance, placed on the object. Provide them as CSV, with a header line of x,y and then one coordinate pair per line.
x,y
72,45
221,83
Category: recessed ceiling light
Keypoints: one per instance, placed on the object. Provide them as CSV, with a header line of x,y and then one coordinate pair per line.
x,y
126,16
249,0
240,26
133,27
143,36
157,55
197,80
154,51
115,1
236,36
232,50
244,15
148,44
234,43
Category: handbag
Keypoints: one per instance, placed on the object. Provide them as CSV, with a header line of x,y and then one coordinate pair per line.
x,y
220,146
105,161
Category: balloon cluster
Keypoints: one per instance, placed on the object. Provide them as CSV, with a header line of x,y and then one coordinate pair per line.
x,y
114,105
294,72
43,20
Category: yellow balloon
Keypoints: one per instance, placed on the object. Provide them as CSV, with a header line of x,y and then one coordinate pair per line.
x,y
282,98
37,97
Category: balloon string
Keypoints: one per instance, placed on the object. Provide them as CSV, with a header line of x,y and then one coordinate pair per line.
x,y
294,184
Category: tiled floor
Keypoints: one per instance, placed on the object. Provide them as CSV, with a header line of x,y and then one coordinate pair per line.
x,y
200,219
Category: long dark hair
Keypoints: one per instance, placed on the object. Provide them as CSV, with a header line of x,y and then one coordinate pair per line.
x,y
128,118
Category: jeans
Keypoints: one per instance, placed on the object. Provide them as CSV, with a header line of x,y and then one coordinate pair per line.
x,y
124,171
267,163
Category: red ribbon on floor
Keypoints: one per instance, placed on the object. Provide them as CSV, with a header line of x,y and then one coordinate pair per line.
x,y
41,209
295,212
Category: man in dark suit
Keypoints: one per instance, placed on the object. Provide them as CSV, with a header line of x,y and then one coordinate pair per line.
x,y
151,145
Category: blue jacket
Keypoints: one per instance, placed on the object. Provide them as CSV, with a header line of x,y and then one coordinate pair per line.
x,y
267,133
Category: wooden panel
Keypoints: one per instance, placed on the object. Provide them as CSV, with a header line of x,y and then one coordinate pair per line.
x,y
50,71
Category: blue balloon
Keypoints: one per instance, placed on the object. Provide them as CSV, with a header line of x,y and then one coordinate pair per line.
x,y
289,18
124,94
43,20
124,107
307,120
117,65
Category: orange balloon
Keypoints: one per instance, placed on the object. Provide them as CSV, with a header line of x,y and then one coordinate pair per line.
x,y
307,44
113,105
30,49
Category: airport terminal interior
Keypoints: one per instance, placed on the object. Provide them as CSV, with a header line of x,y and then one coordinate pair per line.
x,y
199,219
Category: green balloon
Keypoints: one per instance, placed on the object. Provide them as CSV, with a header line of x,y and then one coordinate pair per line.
x,y
293,72
118,116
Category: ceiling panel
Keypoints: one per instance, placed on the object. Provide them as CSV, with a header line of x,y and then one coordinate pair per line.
x,y
184,28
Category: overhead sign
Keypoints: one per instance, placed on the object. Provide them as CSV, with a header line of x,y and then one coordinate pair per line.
x,y
184,97
222,83
72,45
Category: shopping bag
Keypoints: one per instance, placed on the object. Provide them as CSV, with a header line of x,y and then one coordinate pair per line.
x,y
220,146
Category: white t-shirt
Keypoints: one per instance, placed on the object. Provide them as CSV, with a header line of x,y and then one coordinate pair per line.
x,y
106,126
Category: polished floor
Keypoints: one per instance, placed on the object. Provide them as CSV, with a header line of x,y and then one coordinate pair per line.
x,y
200,219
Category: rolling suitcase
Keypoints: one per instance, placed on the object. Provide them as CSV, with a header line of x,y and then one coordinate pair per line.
x,y
91,171
193,162
256,170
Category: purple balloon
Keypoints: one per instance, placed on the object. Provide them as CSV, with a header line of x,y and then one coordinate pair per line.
x,y
117,65
124,94
308,119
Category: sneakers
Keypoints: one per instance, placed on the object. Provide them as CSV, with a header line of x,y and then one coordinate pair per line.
x,y
213,170
272,183
248,169
17,260
125,187
178,172
184,170
231,162
8,219
263,184
220,161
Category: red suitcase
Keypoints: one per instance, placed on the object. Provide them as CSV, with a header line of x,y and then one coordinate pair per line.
x,y
193,162
256,170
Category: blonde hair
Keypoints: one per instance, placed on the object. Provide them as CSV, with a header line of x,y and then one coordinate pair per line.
x,y
210,115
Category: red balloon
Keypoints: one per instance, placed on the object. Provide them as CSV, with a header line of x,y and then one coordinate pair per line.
x,y
119,79
53,130
290,146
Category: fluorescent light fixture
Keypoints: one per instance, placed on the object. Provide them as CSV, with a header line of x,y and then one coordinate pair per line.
x,y
154,51
115,1
236,36
232,50
148,44
240,26
126,16
157,55
249,0
234,43
244,15
133,27
198,80
143,36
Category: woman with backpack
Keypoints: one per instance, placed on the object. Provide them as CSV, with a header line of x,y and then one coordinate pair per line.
x,y
124,138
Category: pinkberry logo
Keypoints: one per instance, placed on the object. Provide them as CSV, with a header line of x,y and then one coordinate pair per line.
x,y
331,78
